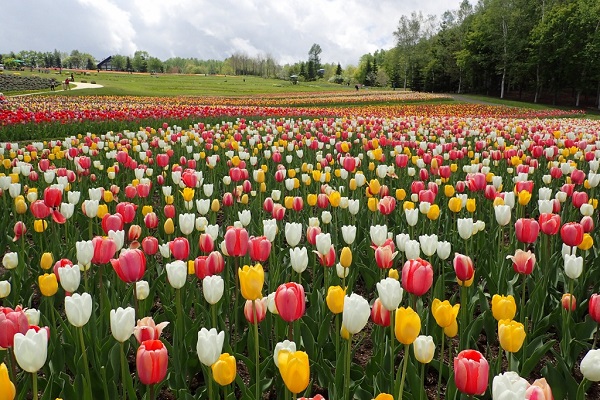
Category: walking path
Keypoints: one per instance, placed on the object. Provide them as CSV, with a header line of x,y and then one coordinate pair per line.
x,y
75,86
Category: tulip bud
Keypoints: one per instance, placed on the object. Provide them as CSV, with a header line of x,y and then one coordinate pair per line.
x,y
212,288
5,289
224,370
78,309
569,302
209,345
176,273
122,323
424,349
31,349
142,290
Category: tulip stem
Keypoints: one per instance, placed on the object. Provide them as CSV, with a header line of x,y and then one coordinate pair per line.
x,y
337,334
213,309
12,364
35,386
437,393
209,383
256,350
85,362
595,337
123,370
151,392
392,350
347,374
402,379
422,391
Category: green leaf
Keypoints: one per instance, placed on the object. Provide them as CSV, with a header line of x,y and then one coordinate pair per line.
x,y
534,356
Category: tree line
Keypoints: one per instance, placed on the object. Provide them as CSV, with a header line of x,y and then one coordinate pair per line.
x,y
542,50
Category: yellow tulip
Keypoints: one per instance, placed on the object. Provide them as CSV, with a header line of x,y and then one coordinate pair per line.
x,y
294,369
498,201
169,226
188,193
21,206
108,196
511,334
455,204
311,199
471,205
40,225
434,212
352,185
252,280
400,194
408,205
503,307
169,199
372,203
393,273
346,257
587,242
335,299
244,198
224,369
260,176
48,284
215,205
334,198
102,210
344,333
263,187
384,396
374,187
524,197
444,313
47,261
288,202
451,330
467,283
7,388
449,190
408,325
146,210
291,173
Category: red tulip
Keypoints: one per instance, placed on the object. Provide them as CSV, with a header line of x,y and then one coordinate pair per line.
x,y
259,248
19,229
63,262
387,205
588,224
150,245
311,234
130,266
527,230
151,220
322,200
549,223
327,260
594,307
52,197
523,261
579,198
524,185
104,249
236,241
463,267
471,372
143,190
151,362
206,243
297,203
134,233
127,211
384,256
572,234
261,310
180,248
290,302
169,211
162,160
209,265
227,199
278,212
577,176
11,323
417,276
379,314
268,205
130,191
39,209
112,222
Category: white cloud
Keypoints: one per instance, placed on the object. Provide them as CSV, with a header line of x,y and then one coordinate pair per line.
x,y
345,29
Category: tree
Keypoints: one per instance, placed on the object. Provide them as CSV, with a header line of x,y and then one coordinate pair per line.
x,y
313,55
90,65
140,61
118,62
128,65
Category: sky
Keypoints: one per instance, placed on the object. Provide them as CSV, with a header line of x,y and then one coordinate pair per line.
x,y
284,29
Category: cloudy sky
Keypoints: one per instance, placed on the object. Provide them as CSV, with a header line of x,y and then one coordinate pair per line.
x,y
286,29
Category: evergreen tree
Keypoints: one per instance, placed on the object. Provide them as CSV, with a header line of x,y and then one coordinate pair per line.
x,y
128,66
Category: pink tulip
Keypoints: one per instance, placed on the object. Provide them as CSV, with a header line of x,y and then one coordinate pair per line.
x,y
471,372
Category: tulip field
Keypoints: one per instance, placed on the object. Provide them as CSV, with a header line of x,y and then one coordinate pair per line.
x,y
323,246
